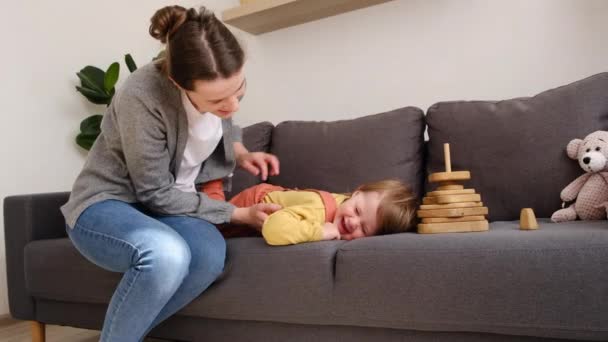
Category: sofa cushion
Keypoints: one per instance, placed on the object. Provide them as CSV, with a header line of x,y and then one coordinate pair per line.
x,y
286,284
548,283
54,269
256,138
340,155
516,149
552,282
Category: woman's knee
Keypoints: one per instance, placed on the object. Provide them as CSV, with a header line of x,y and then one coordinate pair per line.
x,y
207,245
166,254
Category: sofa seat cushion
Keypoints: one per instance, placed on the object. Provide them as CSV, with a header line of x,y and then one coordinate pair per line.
x,y
54,269
260,282
516,149
552,282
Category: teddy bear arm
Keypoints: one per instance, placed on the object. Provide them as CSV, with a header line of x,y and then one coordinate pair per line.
x,y
571,191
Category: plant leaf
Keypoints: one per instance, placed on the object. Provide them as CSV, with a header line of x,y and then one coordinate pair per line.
x,y
111,77
90,130
85,140
92,77
95,96
92,124
130,63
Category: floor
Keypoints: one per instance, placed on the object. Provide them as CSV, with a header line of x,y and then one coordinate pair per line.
x,y
20,331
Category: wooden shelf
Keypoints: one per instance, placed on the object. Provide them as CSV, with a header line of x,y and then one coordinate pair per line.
x,y
261,16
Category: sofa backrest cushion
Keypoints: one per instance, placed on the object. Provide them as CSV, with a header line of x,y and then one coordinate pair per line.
x,y
516,149
256,138
338,156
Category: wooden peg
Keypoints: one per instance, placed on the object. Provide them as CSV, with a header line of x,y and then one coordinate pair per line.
x,y
527,219
446,157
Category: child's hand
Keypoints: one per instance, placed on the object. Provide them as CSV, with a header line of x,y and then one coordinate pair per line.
x,y
255,215
330,231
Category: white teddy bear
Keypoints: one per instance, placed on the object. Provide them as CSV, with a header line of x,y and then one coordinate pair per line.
x,y
591,189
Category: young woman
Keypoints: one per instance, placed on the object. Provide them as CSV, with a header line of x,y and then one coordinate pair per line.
x,y
135,207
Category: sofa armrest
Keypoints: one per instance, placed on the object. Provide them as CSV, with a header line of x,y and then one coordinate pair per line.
x,y
28,218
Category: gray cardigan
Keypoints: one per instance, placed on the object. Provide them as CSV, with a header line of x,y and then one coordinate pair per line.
x,y
137,155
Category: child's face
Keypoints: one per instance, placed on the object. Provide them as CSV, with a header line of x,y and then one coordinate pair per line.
x,y
357,216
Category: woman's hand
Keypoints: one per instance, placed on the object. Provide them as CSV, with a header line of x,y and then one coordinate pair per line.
x,y
256,163
255,215
330,231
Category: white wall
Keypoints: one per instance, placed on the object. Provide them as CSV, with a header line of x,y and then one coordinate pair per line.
x,y
405,52
417,52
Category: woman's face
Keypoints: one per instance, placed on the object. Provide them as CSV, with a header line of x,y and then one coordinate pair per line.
x,y
220,97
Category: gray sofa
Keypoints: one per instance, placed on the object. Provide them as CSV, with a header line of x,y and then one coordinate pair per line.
x,y
501,285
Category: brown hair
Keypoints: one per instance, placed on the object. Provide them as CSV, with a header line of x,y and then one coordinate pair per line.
x,y
199,46
397,208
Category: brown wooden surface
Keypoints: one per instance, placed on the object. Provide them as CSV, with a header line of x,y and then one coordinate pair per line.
x,y
527,219
452,219
454,212
455,227
449,176
450,192
260,16
12,330
451,205
447,160
38,334
446,199
450,186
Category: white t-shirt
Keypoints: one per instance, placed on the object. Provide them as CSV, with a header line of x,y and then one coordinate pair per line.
x,y
204,133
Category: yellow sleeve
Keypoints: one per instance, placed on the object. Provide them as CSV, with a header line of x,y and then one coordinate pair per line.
x,y
290,226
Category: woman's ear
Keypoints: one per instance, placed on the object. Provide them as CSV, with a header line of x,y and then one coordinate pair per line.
x,y
572,148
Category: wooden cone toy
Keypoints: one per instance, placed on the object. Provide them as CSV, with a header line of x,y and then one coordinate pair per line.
x,y
451,208
527,219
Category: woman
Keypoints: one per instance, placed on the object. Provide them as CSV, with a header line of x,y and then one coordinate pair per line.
x,y
135,207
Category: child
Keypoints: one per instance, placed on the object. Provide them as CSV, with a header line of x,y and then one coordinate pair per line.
x,y
381,207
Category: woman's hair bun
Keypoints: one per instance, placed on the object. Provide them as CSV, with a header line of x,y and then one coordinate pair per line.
x,y
166,21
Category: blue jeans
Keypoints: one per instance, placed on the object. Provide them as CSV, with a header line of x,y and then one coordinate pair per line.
x,y
167,262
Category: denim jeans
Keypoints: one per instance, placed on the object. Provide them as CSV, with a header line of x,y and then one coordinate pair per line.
x,y
167,262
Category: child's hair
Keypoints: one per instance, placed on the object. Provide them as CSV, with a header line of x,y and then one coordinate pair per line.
x,y
199,46
397,208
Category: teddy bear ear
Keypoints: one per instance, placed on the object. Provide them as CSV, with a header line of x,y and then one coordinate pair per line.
x,y
572,148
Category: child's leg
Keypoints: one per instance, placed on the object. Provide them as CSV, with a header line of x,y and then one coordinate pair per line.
x,y
254,195
214,189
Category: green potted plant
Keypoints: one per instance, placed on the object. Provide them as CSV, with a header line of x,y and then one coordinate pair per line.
x,y
98,87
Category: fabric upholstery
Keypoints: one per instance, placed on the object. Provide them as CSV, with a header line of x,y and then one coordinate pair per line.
x,y
516,149
340,155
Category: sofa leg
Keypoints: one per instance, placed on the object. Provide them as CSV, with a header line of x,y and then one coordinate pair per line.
x,y
38,331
